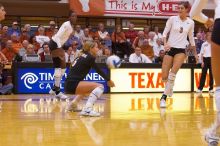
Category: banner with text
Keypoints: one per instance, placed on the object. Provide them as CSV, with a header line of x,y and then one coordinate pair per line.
x,y
125,8
147,80
40,80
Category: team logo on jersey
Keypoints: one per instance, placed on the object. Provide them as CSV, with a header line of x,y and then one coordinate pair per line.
x,y
29,79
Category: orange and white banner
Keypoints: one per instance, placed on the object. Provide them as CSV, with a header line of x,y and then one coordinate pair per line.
x,y
147,80
125,8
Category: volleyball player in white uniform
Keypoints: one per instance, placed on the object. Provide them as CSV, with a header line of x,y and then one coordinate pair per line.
x,y
58,53
196,13
179,27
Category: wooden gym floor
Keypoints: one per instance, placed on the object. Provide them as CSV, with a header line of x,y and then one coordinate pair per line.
x,y
127,120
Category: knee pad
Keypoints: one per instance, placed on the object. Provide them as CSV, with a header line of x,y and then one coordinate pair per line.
x,y
171,77
98,91
63,72
57,72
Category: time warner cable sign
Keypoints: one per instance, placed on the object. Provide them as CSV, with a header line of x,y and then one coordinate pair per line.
x,y
40,80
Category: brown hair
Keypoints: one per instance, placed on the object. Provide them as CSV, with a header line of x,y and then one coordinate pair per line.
x,y
1,5
186,4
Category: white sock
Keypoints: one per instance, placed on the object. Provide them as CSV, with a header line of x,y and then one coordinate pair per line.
x,y
57,77
170,83
94,95
217,98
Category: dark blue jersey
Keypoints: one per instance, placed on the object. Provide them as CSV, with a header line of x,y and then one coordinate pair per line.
x,y
81,67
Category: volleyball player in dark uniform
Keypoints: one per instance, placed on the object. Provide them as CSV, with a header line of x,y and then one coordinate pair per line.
x,y
58,53
75,84
211,135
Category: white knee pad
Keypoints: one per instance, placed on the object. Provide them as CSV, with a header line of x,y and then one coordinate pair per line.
x,y
98,91
57,72
171,77
63,71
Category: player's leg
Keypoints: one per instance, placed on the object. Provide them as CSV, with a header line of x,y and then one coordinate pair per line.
x,y
95,90
166,66
178,60
215,45
203,76
58,57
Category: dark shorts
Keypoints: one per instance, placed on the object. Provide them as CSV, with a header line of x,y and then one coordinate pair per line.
x,y
216,32
70,86
52,45
174,51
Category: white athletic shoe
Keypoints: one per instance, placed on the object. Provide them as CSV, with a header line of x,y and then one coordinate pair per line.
x,y
199,91
62,96
211,91
163,103
211,140
51,92
89,112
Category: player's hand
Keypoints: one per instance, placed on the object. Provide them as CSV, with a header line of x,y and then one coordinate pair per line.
x,y
167,47
111,83
202,64
209,23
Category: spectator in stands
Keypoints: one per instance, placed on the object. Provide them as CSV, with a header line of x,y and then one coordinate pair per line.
x,y
107,52
79,32
158,35
138,57
35,43
119,42
41,38
131,34
72,53
23,49
4,88
24,35
146,31
147,49
139,40
16,44
159,59
70,41
9,51
14,29
4,36
87,36
46,51
27,28
103,35
30,51
151,39
51,29
199,41
91,31
157,47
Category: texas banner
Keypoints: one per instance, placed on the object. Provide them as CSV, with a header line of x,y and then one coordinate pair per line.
x,y
125,8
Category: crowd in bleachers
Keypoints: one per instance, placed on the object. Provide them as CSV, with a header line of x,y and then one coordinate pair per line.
x,y
143,46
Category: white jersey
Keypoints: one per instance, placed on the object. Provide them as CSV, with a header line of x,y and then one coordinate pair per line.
x,y
139,59
179,30
63,34
206,49
198,6
41,39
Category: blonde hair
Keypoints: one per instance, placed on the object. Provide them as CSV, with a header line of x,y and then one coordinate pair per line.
x,y
87,46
